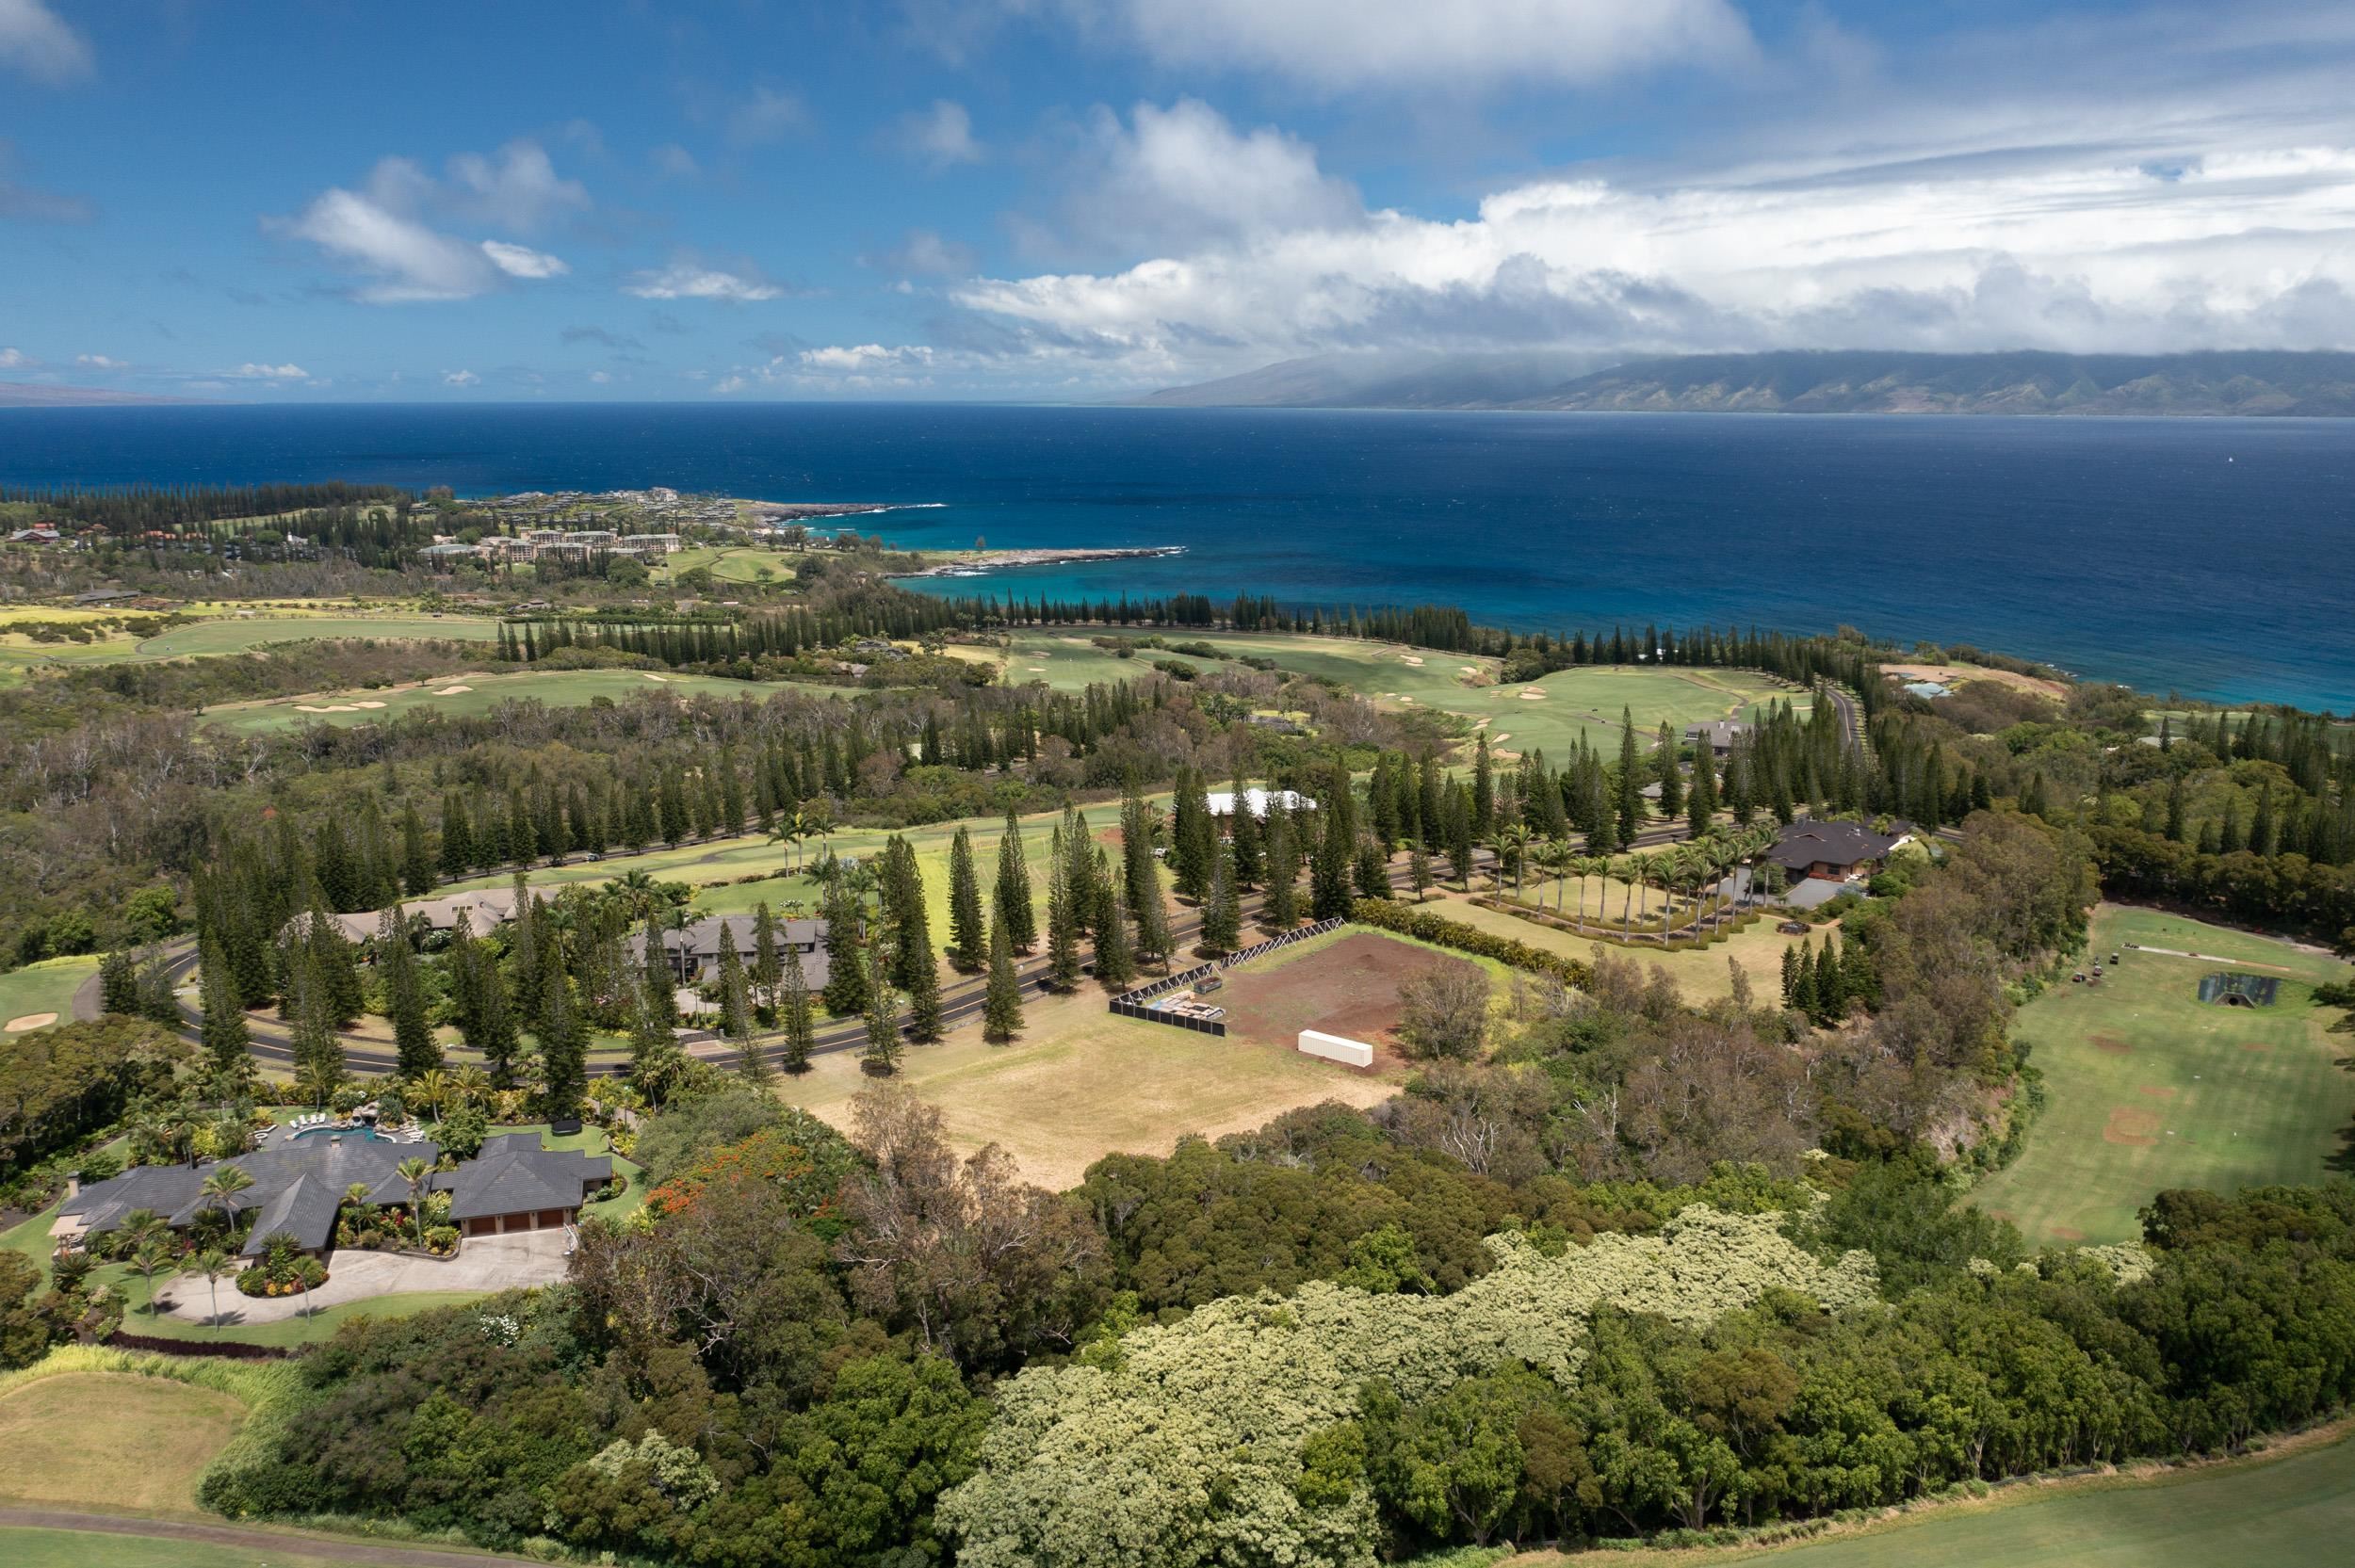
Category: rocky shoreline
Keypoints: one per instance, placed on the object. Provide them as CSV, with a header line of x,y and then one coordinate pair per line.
x,y
1000,560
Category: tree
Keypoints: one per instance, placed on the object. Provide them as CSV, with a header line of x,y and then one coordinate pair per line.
x,y
416,861
1194,837
221,1189
563,1050
968,926
847,980
1063,939
1630,780
228,1047
1011,896
1115,960
926,1021
882,1053
793,1015
416,1172
1280,909
216,1266
118,984
1151,910
415,1047
1444,1012
1002,1006
1671,777
768,972
735,1021
1222,912
1418,871
1702,807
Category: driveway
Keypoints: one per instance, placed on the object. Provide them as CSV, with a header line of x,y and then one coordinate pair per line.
x,y
484,1263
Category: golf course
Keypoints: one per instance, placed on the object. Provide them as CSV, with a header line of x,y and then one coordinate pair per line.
x,y
2149,1086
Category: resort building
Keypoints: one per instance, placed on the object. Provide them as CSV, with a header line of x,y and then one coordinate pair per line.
x,y
482,912
1255,801
517,1184
1717,735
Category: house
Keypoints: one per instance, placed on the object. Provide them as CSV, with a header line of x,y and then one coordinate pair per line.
x,y
694,952
482,912
1255,801
105,596
39,533
517,1183
1929,690
1718,735
1835,852
299,1187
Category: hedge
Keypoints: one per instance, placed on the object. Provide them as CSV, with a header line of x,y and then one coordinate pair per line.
x,y
1391,916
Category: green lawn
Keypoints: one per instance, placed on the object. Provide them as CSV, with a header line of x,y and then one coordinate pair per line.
x,y
476,693
240,634
44,987
1586,701
735,563
2293,1512
89,1549
2150,1087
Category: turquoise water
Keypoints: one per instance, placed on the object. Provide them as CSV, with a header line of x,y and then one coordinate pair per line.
x,y
369,1133
2215,556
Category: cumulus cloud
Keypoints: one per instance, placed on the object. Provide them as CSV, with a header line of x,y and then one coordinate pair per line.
x,y
2076,249
941,135
862,357
388,230
16,359
101,362
766,115
461,378
1184,174
689,280
35,40
250,371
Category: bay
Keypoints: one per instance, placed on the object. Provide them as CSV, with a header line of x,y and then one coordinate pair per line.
x,y
2212,557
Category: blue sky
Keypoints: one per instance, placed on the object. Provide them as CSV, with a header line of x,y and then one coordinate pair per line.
x,y
1079,198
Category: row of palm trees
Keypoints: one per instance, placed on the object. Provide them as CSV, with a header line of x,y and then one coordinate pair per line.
x,y
1698,868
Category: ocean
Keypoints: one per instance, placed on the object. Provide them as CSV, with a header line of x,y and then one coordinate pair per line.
x,y
2212,557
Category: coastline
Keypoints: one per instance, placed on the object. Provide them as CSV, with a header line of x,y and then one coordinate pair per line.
x,y
987,562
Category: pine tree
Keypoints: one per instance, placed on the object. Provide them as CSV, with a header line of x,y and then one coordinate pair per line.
x,y
662,980
735,1021
118,984
921,979
1803,986
416,862
1063,939
1829,1001
793,1014
1222,912
1630,782
563,1048
1116,961
1010,898
1002,1006
1374,870
416,1050
968,927
1459,835
1791,962
1194,837
1418,871
883,1017
497,1039
847,982
228,1047
1248,843
1671,777
1328,879
1701,808
1151,910
1483,797
768,971
1280,909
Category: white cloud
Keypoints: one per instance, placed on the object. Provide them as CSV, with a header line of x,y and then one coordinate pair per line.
x,y
941,135
862,357
250,371
1343,44
1183,173
601,378
101,362
766,117
385,229
674,162
518,189
688,279
16,359
519,261
924,253
35,40
461,378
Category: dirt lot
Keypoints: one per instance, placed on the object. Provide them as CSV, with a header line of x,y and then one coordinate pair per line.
x,y
1955,674
1349,988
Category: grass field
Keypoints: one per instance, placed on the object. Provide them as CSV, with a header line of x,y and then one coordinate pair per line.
x,y
1545,715
23,1548
477,693
2291,1509
2150,1087
111,1442
237,635
1699,973
1079,1084
734,563
44,987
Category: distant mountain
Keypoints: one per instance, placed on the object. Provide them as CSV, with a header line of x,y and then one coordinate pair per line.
x,y
24,394
2239,384
1386,380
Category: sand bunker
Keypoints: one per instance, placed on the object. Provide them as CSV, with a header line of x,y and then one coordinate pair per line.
x,y
452,690
1035,669
1469,669
28,1021
1530,694
652,676
1410,658
1500,737
329,707
370,704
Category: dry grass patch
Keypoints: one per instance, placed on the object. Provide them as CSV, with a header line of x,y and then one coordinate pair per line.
x,y
1079,1084
111,1442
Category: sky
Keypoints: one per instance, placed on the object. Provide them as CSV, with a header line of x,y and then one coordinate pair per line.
x,y
341,201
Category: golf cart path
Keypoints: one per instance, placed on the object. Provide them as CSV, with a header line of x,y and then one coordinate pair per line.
x,y
273,1542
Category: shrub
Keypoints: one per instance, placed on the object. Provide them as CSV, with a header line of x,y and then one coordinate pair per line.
x,y
442,1241
1424,926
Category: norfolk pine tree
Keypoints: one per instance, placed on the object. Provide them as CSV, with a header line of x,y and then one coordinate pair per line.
x,y
793,1014
415,1048
228,1047
1671,778
969,930
1222,912
883,1016
1012,896
1001,1007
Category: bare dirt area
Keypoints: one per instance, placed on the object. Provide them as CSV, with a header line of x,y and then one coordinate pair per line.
x,y
1953,675
1349,988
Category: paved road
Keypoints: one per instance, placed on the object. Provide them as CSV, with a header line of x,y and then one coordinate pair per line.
x,y
269,1546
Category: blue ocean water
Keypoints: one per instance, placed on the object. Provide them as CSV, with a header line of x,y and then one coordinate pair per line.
x,y
2212,557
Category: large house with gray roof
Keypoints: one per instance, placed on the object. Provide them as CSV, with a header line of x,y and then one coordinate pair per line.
x,y
516,1184
694,952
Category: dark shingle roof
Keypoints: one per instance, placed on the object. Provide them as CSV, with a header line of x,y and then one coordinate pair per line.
x,y
1807,843
298,1187
515,1174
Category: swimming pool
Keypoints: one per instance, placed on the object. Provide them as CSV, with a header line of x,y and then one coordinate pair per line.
x,y
367,1132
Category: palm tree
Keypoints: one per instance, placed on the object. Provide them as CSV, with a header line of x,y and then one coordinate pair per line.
x,y
221,1188
216,1266
317,1081
416,1172
471,1085
151,1257
433,1090
1512,842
